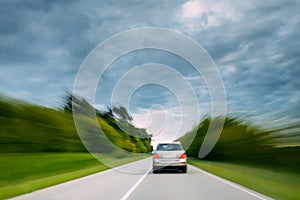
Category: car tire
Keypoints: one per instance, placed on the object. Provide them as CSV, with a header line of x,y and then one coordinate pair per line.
x,y
184,170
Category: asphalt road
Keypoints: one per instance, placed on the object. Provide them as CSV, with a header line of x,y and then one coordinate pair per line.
x,y
142,184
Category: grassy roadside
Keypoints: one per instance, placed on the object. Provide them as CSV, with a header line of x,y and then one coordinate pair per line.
x,y
22,173
276,184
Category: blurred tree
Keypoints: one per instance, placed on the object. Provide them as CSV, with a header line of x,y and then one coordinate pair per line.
x,y
242,143
121,113
70,102
128,136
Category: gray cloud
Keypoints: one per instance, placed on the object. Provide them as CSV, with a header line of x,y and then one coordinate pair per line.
x,y
255,46
257,57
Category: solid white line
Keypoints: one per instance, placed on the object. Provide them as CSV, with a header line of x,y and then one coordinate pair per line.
x,y
231,183
128,193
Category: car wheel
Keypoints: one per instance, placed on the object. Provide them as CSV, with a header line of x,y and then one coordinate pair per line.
x,y
183,170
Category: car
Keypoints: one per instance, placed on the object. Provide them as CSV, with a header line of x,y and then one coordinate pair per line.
x,y
169,155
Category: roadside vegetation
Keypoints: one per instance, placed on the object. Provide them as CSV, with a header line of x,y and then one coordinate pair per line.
x,y
40,146
26,172
277,184
244,153
30,128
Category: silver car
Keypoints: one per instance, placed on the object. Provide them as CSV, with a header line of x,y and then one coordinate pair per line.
x,y
169,156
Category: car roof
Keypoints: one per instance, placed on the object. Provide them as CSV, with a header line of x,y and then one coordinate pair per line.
x,y
169,143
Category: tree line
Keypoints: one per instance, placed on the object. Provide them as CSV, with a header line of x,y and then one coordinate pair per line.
x,y
240,142
26,127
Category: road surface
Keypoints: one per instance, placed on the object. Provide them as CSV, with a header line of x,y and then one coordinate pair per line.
x,y
143,184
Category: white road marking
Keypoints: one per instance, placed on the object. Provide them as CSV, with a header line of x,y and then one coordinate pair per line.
x,y
129,192
230,183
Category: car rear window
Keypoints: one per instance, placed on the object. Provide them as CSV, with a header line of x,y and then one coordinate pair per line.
x,y
169,147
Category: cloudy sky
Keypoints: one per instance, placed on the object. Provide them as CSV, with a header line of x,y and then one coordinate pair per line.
x,y
255,46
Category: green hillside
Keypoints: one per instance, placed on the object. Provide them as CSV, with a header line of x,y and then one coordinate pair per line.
x,y
242,143
28,128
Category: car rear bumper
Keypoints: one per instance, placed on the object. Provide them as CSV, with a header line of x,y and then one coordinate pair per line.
x,y
170,167
169,164
161,164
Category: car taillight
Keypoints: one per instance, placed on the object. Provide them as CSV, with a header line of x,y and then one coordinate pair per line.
x,y
182,156
155,156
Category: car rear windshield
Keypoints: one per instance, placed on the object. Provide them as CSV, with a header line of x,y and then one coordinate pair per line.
x,y
169,147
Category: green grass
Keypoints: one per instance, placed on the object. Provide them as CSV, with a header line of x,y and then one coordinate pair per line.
x,y
30,134
274,183
23,172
